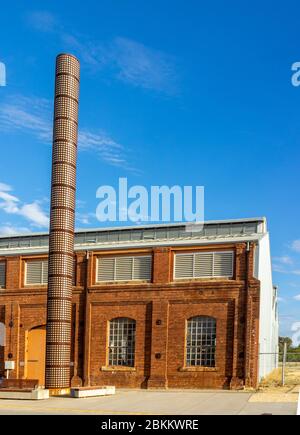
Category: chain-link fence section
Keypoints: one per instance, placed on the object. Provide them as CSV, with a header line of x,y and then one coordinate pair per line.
x,y
282,368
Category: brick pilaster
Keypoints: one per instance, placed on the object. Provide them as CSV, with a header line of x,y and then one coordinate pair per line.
x,y
159,344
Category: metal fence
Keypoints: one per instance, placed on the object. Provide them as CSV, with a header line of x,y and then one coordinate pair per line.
x,y
288,363
289,359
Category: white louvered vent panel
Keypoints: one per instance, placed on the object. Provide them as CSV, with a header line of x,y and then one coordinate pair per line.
x,y
106,269
124,266
142,268
203,267
37,272
184,266
45,272
2,274
223,264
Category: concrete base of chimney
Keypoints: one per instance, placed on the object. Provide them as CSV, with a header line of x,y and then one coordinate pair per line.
x,y
96,391
15,394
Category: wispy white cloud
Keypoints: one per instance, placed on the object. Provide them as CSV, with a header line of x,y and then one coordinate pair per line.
x,y
11,204
90,53
43,21
107,148
129,61
8,202
284,259
85,218
9,230
125,59
288,271
82,216
34,214
293,284
295,245
278,268
280,299
33,116
297,297
80,203
5,187
288,264
143,66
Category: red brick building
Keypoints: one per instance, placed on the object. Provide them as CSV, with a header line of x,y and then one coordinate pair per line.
x,y
154,306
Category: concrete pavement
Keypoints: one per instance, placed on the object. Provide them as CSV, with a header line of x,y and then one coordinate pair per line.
x,y
135,402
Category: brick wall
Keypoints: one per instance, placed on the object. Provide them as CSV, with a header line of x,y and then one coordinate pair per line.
x,y
2,320
160,309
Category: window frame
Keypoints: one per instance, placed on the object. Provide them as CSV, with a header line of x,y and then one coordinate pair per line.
x,y
187,365
133,347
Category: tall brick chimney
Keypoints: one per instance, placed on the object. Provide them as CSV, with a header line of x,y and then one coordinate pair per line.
x,y
62,213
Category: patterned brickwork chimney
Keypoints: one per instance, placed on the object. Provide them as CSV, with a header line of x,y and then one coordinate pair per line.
x,y
62,213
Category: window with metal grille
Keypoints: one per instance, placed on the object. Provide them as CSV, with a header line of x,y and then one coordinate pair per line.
x,y
201,341
121,342
36,272
124,268
204,265
2,274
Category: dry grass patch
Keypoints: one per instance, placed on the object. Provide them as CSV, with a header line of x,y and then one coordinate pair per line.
x,y
272,382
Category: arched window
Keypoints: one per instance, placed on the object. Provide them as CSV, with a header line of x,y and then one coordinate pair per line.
x,y
201,341
121,342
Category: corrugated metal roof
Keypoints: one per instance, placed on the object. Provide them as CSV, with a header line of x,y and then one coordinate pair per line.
x,y
146,235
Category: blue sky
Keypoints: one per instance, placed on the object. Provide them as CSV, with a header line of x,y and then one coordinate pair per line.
x,y
172,92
